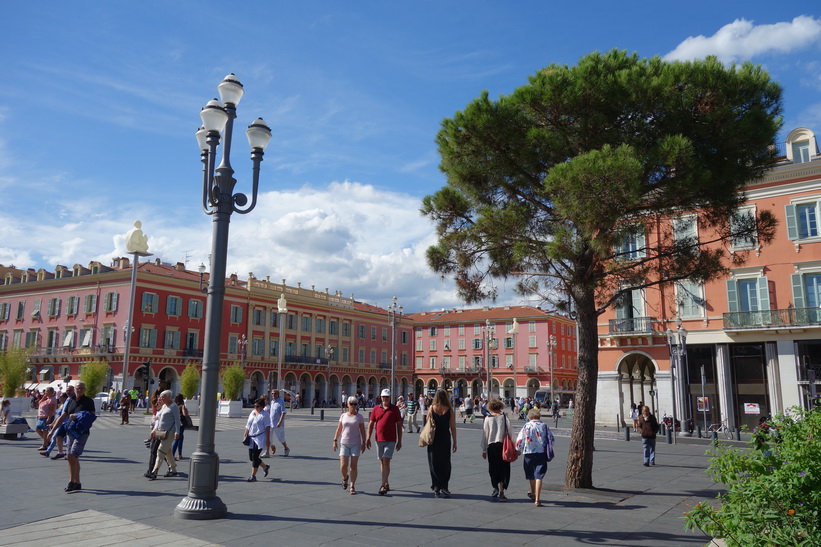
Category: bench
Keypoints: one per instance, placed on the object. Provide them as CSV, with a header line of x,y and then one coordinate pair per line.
x,y
10,431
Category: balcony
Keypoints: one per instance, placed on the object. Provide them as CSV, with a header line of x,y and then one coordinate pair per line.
x,y
632,325
191,352
773,319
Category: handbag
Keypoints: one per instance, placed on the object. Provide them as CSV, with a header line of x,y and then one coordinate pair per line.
x,y
509,452
428,432
187,422
246,440
550,454
161,434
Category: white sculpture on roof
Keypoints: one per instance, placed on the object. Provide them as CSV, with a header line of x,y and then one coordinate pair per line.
x,y
135,240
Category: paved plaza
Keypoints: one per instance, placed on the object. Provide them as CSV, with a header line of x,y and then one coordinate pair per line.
x,y
302,501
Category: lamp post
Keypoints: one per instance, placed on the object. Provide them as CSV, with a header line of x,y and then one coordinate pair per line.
x,y
329,353
489,340
219,201
513,331
677,344
201,270
282,310
136,243
394,318
242,346
551,348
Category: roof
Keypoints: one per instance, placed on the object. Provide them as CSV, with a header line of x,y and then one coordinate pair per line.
x,y
480,315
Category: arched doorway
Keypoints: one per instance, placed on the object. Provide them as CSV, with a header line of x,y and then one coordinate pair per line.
x,y
433,385
168,379
637,378
257,386
305,390
532,387
461,388
419,387
476,387
508,388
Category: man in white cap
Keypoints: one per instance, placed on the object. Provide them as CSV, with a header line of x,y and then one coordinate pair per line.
x,y
387,420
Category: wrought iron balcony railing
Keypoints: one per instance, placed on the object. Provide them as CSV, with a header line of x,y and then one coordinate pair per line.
x,y
790,317
632,325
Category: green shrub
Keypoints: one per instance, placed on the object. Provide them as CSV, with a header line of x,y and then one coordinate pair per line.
x,y
773,492
13,370
93,374
233,380
190,381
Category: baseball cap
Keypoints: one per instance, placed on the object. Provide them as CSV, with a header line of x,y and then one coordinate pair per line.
x,y
386,393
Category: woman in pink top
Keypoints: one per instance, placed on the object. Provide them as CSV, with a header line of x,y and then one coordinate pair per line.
x,y
349,439
46,410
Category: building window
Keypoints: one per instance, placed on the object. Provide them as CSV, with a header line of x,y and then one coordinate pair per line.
x,y
477,343
333,327
806,290
345,355
447,330
461,343
320,325
433,345
633,245
21,311
90,303
531,361
690,299
273,348
72,305
232,343
743,229
432,331
373,333
509,342
306,323
477,361
419,363
360,331
462,361
432,363
54,307
148,338
477,329
236,314
195,309
802,220
418,345
531,326
150,302
801,152
373,356
747,295
258,317
461,330
110,302
630,304
173,306
531,341
172,339
5,310
404,337
257,346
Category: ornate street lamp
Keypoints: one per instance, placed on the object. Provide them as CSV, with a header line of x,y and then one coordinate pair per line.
x,y
282,310
395,318
489,342
677,344
551,354
219,201
136,243
201,270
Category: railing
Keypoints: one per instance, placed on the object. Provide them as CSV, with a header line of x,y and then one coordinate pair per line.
x,y
632,325
790,317
191,352
305,360
533,369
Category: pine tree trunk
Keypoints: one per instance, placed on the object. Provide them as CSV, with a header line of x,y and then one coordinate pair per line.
x,y
579,472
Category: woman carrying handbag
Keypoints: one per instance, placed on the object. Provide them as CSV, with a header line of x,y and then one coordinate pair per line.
x,y
494,433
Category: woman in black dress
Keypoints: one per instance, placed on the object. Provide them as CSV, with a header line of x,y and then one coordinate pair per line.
x,y
441,412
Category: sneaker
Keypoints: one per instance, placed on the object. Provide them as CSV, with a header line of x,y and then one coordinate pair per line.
x,y
652,463
252,479
170,474
502,497
287,451
58,456
495,493
44,453
70,487
265,470
264,456
646,464
445,493
150,475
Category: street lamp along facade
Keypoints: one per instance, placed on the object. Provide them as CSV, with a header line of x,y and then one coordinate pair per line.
x,y
220,202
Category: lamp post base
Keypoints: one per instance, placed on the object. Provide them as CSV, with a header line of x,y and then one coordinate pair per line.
x,y
202,503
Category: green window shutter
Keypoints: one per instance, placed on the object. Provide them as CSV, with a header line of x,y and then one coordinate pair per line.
x,y
732,296
763,294
792,223
797,290
152,338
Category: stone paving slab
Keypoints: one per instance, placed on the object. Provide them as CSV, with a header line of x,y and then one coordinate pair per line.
x,y
302,502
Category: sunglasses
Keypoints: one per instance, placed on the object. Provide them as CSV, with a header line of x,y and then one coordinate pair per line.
x,y
354,404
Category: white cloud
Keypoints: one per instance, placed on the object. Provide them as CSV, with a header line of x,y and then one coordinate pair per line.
x,y
741,40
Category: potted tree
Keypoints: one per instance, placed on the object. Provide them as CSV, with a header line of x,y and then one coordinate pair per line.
x,y
189,386
13,373
233,379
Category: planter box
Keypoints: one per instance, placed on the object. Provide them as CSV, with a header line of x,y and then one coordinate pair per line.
x,y
230,409
193,406
20,405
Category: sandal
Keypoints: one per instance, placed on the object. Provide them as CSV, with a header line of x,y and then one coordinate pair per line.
x,y
531,496
353,491
345,482
538,504
383,490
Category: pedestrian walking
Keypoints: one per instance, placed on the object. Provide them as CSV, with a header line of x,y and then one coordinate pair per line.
x,y
412,411
57,437
634,415
387,422
349,439
649,427
185,419
46,411
258,428
166,430
494,430
535,442
278,421
468,410
75,444
444,442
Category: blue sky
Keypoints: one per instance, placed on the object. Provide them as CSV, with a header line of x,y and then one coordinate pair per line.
x,y
99,102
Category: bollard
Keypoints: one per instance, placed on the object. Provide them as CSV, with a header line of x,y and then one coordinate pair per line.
x,y
618,423
627,434
322,415
699,432
312,411
737,433
715,435
669,435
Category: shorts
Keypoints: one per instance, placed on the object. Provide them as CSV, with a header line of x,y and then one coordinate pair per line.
x,y
384,449
42,424
75,446
350,450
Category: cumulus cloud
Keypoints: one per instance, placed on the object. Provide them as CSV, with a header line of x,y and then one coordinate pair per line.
x,y
741,40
